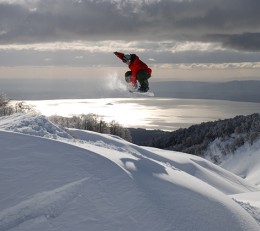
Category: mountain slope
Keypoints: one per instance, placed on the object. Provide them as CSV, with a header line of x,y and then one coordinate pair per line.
x,y
101,182
213,175
245,162
234,144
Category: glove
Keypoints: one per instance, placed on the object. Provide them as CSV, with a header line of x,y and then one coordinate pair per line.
x,y
116,53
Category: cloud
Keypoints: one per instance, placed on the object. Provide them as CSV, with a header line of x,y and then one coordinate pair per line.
x,y
243,41
231,23
215,66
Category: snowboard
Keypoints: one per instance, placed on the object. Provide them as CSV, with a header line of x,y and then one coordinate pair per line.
x,y
148,93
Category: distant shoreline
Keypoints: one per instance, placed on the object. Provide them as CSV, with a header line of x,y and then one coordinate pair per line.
x,y
150,113
39,89
238,91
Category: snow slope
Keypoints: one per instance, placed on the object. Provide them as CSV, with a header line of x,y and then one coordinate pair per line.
x,y
101,182
245,162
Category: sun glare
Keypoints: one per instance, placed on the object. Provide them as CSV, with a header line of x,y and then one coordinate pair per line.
x,y
128,114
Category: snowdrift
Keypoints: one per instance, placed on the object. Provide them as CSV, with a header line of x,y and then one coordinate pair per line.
x,y
32,124
101,182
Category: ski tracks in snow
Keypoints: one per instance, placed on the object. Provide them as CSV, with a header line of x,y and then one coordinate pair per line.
x,y
49,204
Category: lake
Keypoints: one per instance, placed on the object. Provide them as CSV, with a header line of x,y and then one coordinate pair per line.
x,y
150,113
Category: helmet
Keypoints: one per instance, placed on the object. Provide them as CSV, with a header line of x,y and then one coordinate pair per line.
x,y
126,57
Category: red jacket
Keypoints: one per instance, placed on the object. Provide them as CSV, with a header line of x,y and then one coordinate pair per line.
x,y
135,66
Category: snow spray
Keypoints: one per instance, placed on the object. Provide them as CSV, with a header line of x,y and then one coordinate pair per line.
x,y
115,82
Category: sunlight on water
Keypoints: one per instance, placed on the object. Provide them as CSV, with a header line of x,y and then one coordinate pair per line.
x,y
129,114
152,113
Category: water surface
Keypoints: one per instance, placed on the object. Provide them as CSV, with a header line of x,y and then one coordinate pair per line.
x,y
150,113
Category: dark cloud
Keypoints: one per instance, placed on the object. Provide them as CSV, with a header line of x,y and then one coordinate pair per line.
x,y
234,23
243,41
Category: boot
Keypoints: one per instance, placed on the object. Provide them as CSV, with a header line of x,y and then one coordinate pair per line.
x,y
144,86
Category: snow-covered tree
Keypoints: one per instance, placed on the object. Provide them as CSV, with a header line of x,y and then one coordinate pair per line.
x,y
222,137
92,122
5,108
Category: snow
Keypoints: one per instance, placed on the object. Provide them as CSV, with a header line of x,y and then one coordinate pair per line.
x,y
37,125
251,197
250,202
52,179
246,162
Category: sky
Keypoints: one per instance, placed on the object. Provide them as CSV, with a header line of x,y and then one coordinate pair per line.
x,y
213,40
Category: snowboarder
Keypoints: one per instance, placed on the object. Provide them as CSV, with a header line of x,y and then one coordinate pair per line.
x,y
139,71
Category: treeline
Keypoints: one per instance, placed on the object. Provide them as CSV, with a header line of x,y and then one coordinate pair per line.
x,y
8,108
226,135
92,122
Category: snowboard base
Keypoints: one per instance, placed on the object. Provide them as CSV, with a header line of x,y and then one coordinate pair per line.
x,y
148,93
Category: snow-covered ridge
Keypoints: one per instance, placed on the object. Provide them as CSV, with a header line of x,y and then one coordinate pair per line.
x,y
32,124
101,182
